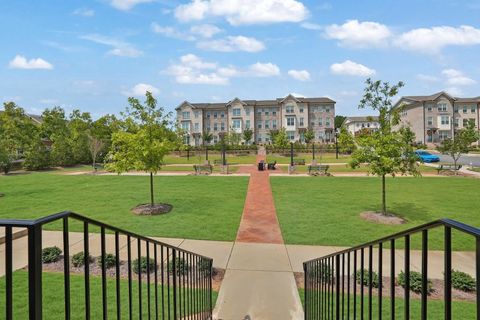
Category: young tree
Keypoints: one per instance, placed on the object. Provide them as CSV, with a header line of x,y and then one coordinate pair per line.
x,y
95,146
247,135
144,141
273,135
281,139
309,135
346,141
234,138
207,137
387,151
460,144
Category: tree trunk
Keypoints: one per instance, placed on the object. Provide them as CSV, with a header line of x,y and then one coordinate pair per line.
x,y
384,201
455,165
151,189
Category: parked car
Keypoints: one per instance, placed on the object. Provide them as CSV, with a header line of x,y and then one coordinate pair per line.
x,y
425,156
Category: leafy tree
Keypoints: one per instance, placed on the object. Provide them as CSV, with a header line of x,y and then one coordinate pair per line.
x,y
37,155
102,129
338,121
273,134
309,135
460,143
207,137
234,138
387,151
247,135
79,125
55,128
346,141
281,139
144,142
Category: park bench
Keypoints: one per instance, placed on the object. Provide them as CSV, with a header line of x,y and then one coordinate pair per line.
x,y
299,162
261,165
315,170
448,167
206,169
271,165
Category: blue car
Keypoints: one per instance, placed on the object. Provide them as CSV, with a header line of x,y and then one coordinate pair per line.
x,y
427,156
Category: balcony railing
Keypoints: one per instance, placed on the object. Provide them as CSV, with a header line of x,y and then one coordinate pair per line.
x,y
332,292
164,282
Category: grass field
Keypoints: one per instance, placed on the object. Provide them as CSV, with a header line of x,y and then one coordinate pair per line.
x,y
362,168
435,308
203,207
325,211
53,297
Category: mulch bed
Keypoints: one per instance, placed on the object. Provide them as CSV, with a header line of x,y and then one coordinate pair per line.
x,y
149,210
379,218
436,294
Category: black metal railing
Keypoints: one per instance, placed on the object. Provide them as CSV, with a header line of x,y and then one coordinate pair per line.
x,y
154,280
343,285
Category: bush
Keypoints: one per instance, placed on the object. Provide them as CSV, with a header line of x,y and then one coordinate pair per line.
x,y
37,156
366,278
110,261
204,267
322,273
78,259
143,265
181,266
415,282
51,254
463,281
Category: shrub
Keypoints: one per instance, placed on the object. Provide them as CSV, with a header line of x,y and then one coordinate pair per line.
x,y
181,266
204,267
78,259
110,261
366,278
463,281
143,265
415,282
322,273
51,254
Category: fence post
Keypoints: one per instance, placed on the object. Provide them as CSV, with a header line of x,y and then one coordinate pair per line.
x,y
337,287
35,272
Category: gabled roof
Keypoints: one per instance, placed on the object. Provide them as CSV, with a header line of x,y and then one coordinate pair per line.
x,y
466,100
432,97
236,100
290,96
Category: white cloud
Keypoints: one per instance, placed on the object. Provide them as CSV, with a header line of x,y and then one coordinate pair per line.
x,y
171,32
84,12
20,62
238,12
140,89
194,70
119,48
233,43
427,78
350,68
433,40
300,75
205,30
457,78
311,26
126,5
359,34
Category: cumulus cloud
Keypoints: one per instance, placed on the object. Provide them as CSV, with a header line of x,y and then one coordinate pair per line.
x,y
300,75
171,32
457,78
238,12
311,26
433,40
191,69
233,43
350,68
140,89
84,12
359,34
20,62
126,5
119,48
205,30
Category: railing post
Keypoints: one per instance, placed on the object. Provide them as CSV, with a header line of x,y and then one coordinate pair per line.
x,y
35,272
305,290
174,271
337,287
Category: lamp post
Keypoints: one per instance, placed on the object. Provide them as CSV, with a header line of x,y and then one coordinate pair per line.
x,y
313,150
336,144
291,154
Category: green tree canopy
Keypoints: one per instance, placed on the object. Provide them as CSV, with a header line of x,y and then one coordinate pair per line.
x,y
281,139
461,143
309,135
346,141
247,135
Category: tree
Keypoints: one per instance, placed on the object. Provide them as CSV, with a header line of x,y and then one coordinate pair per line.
x,y
346,141
387,151
207,137
79,125
95,146
273,135
247,135
460,143
144,141
234,138
309,135
55,128
338,121
281,139
37,155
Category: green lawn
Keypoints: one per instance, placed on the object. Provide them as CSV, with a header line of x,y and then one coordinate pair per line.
x,y
325,211
324,158
53,297
203,207
200,158
435,308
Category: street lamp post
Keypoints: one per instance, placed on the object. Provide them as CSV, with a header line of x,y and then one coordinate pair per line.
x,y
313,150
336,144
291,154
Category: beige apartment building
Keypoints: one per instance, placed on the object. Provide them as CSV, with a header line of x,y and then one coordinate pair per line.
x,y
295,114
357,124
438,116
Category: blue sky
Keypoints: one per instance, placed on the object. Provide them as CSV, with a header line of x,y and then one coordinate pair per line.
x,y
93,54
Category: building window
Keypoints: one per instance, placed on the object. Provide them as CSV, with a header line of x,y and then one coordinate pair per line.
x,y
197,126
455,123
215,115
430,121
327,122
259,139
445,120
443,135
222,114
465,109
215,139
290,121
301,110
208,114
185,126
301,122
442,107
196,114
274,124
473,109
289,109
259,111
237,124
312,123
222,126
320,122
259,124
215,126
267,124
291,135
267,112
455,109
186,115
236,112
247,111
247,124
274,111
327,109
429,108
466,122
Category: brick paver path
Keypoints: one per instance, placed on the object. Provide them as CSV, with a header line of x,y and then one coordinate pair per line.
x,y
259,222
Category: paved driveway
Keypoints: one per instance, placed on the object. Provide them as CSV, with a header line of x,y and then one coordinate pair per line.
x,y
464,159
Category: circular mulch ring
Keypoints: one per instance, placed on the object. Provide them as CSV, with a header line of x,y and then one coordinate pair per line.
x,y
149,210
2,194
380,218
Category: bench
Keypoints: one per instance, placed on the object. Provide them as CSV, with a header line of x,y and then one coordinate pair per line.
x,y
448,167
298,162
206,169
315,170
271,165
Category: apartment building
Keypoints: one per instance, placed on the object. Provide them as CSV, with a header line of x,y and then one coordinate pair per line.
x,y
295,114
354,125
437,117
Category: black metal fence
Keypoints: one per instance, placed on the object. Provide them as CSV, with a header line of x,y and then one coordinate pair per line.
x,y
146,279
345,285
